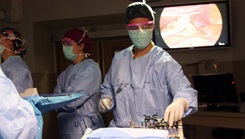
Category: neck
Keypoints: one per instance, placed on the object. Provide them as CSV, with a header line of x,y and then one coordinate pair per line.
x,y
7,53
79,58
140,52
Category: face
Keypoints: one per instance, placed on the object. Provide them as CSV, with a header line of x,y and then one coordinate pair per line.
x,y
6,42
140,32
76,47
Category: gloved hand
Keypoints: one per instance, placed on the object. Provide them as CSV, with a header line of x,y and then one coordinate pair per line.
x,y
105,104
29,92
175,111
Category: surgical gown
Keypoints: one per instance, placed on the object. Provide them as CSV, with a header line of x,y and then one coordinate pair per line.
x,y
42,105
18,120
145,86
74,118
17,71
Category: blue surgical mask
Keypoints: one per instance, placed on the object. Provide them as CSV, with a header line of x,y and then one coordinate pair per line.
x,y
140,37
68,53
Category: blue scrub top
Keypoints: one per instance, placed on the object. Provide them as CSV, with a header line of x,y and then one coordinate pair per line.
x,y
75,117
18,72
145,86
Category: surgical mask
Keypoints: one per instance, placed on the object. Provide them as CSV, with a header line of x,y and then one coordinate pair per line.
x,y
68,52
1,49
140,37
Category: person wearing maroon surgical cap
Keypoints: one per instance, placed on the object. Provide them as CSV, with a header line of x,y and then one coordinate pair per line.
x,y
82,76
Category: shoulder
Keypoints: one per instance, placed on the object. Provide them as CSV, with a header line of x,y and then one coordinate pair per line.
x,y
160,54
88,65
162,57
123,53
15,60
14,63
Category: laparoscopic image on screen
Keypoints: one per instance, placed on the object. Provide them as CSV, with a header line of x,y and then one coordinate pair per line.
x,y
192,25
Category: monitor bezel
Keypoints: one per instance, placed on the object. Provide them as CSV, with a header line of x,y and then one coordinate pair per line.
x,y
227,33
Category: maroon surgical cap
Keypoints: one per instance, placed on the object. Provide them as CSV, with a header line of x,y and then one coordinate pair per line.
x,y
76,35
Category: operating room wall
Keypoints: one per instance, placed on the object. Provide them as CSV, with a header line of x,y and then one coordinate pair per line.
x,y
36,12
38,28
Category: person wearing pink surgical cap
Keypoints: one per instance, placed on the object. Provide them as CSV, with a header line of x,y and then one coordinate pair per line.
x,y
12,52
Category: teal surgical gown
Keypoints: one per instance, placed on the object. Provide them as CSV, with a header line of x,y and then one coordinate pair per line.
x,y
42,105
74,118
145,86
18,72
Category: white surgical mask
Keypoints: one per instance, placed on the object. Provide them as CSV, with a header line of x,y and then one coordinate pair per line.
x,y
141,37
1,49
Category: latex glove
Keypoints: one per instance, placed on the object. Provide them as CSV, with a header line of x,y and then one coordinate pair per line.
x,y
29,92
105,104
175,111
87,132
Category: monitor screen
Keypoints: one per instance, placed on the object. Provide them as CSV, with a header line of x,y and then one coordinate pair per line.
x,y
216,88
193,25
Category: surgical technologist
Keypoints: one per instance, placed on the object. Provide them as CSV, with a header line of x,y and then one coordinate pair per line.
x,y
144,79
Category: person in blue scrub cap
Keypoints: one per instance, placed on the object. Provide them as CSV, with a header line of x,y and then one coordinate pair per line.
x,y
12,52
144,79
83,75
18,120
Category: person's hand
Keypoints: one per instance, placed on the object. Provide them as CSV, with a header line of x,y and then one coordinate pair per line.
x,y
105,104
29,92
175,111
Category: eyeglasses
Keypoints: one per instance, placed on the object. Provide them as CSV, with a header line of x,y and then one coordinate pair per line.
x,y
143,25
4,38
67,42
13,39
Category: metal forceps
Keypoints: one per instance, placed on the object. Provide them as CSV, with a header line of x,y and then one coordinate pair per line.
x,y
122,85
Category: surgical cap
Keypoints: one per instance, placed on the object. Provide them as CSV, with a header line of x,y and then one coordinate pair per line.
x,y
76,35
14,34
137,10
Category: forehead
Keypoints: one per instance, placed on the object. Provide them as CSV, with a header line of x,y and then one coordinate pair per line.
x,y
67,39
139,20
3,38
